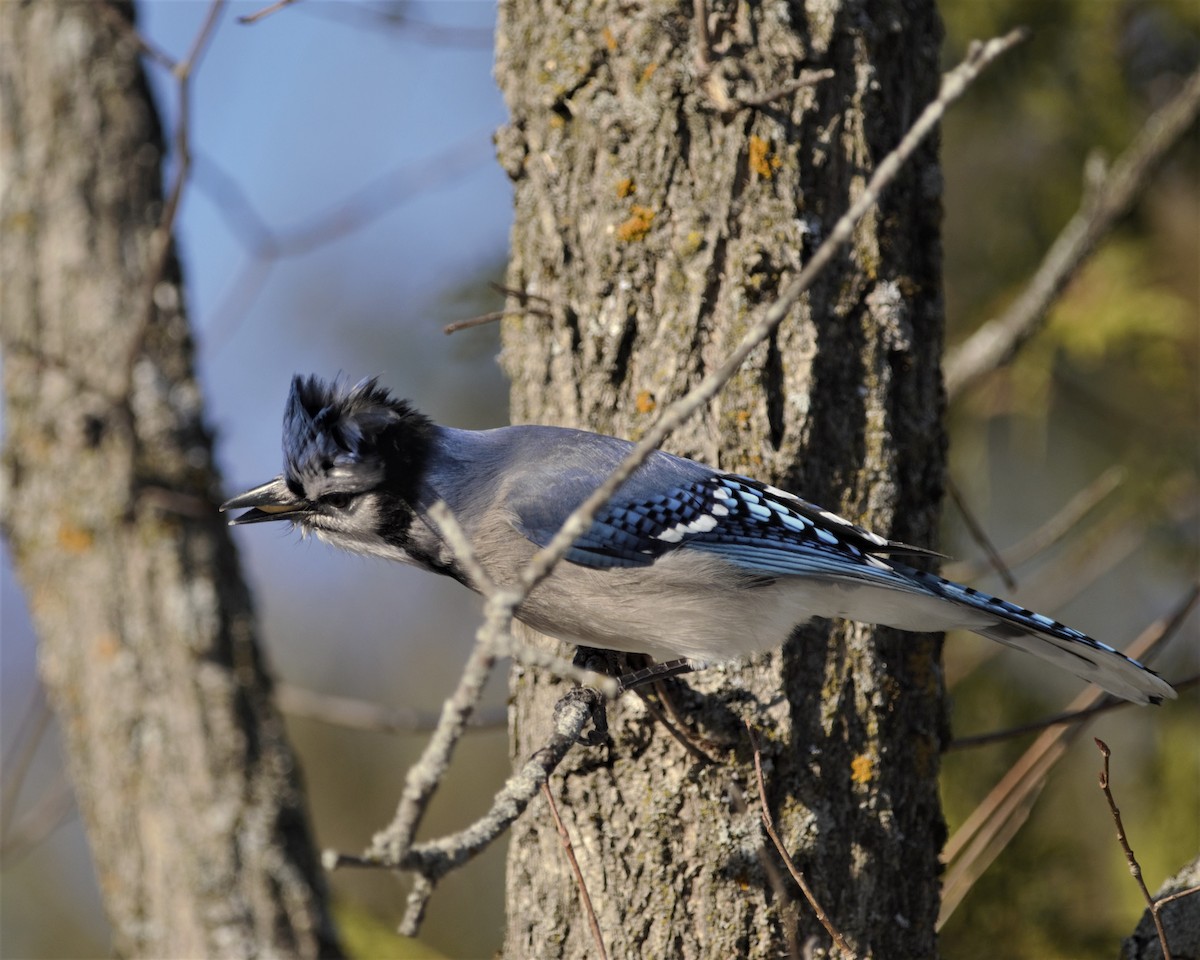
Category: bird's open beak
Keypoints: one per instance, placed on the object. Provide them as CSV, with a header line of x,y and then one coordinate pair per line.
x,y
270,501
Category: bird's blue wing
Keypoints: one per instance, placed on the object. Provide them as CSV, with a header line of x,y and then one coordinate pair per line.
x,y
755,526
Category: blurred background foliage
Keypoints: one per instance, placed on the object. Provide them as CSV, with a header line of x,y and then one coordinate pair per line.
x,y
1114,379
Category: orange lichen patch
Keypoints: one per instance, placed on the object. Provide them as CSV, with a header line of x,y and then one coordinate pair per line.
x,y
743,418
862,769
650,70
762,160
637,226
106,646
74,539
645,401
626,188
610,40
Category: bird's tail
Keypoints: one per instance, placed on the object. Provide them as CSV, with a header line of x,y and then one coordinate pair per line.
x,y
1053,641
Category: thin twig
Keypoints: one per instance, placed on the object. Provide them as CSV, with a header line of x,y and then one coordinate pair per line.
x,y
1178,895
998,340
424,776
996,820
801,882
505,603
1057,720
372,717
481,320
54,808
460,546
29,734
584,898
787,903
155,53
980,535
1135,868
680,737
433,859
492,317
1051,532
161,238
265,11
523,296
353,212
416,905
703,42
807,78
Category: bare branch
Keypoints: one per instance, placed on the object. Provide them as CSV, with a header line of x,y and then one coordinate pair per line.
x,y
980,535
356,714
361,207
1135,868
584,897
456,538
496,315
678,735
54,808
162,238
703,41
807,78
1052,531
787,903
424,777
150,50
433,859
481,320
265,11
29,734
801,882
1178,895
997,341
1057,720
996,820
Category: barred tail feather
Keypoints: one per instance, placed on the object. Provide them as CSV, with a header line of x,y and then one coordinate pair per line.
x,y
1055,642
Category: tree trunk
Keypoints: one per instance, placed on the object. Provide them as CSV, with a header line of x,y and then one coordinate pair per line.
x,y
1180,919
188,790
658,217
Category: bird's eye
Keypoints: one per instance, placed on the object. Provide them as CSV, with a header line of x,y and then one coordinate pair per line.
x,y
339,501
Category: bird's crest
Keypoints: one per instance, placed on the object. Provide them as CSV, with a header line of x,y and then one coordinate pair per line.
x,y
332,434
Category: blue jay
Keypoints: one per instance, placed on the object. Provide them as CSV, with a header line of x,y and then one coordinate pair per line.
x,y
684,562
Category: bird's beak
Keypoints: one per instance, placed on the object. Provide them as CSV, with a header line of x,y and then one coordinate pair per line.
x,y
270,501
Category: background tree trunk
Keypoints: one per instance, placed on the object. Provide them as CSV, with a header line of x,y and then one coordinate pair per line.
x,y
186,784
1180,919
657,218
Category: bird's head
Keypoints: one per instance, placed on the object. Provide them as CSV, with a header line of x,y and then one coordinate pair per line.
x,y
352,458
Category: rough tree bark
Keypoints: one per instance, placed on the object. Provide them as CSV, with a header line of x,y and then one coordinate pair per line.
x,y
186,784
658,215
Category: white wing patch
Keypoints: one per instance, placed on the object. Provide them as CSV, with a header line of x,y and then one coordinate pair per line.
x,y
701,524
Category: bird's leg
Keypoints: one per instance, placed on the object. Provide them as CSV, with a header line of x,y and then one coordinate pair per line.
x,y
598,661
656,672
608,663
